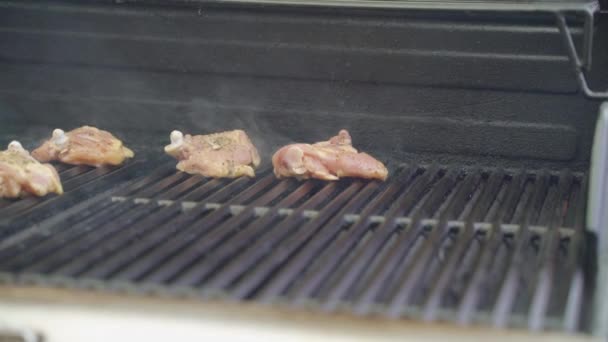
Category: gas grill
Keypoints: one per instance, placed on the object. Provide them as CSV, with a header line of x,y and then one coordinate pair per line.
x,y
483,111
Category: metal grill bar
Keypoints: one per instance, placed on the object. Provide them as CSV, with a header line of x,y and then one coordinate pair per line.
x,y
473,293
107,246
572,282
400,205
81,176
448,247
549,253
182,188
290,245
405,243
12,207
520,257
279,285
184,250
5,202
162,185
241,239
83,243
64,254
465,247
79,182
141,183
184,241
433,243
72,171
262,247
95,211
168,228
61,238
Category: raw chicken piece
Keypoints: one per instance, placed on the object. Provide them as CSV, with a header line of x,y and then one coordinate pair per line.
x,y
327,160
83,146
20,174
220,155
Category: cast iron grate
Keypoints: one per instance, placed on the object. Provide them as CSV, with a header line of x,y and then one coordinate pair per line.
x,y
79,183
500,247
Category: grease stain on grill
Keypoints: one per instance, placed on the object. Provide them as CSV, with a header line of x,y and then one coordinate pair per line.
x,y
435,243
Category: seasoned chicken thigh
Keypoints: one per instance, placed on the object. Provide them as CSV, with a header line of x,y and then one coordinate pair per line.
x,y
327,160
20,174
83,146
228,154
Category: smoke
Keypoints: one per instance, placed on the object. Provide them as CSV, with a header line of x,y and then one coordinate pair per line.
x,y
141,98
14,128
205,120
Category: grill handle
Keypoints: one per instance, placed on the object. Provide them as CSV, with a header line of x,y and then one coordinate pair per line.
x,y
597,218
597,207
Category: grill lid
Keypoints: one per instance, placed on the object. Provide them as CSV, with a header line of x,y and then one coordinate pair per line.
x,y
459,5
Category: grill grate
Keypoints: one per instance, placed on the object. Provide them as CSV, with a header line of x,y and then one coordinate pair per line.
x,y
500,247
79,182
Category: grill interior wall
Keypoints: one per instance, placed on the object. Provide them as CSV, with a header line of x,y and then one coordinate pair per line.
x,y
497,89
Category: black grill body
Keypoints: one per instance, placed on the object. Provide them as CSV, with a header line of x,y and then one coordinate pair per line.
x,y
477,115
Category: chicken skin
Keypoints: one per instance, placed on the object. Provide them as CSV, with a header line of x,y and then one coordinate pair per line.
x,y
83,146
22,175
228,154
327,160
